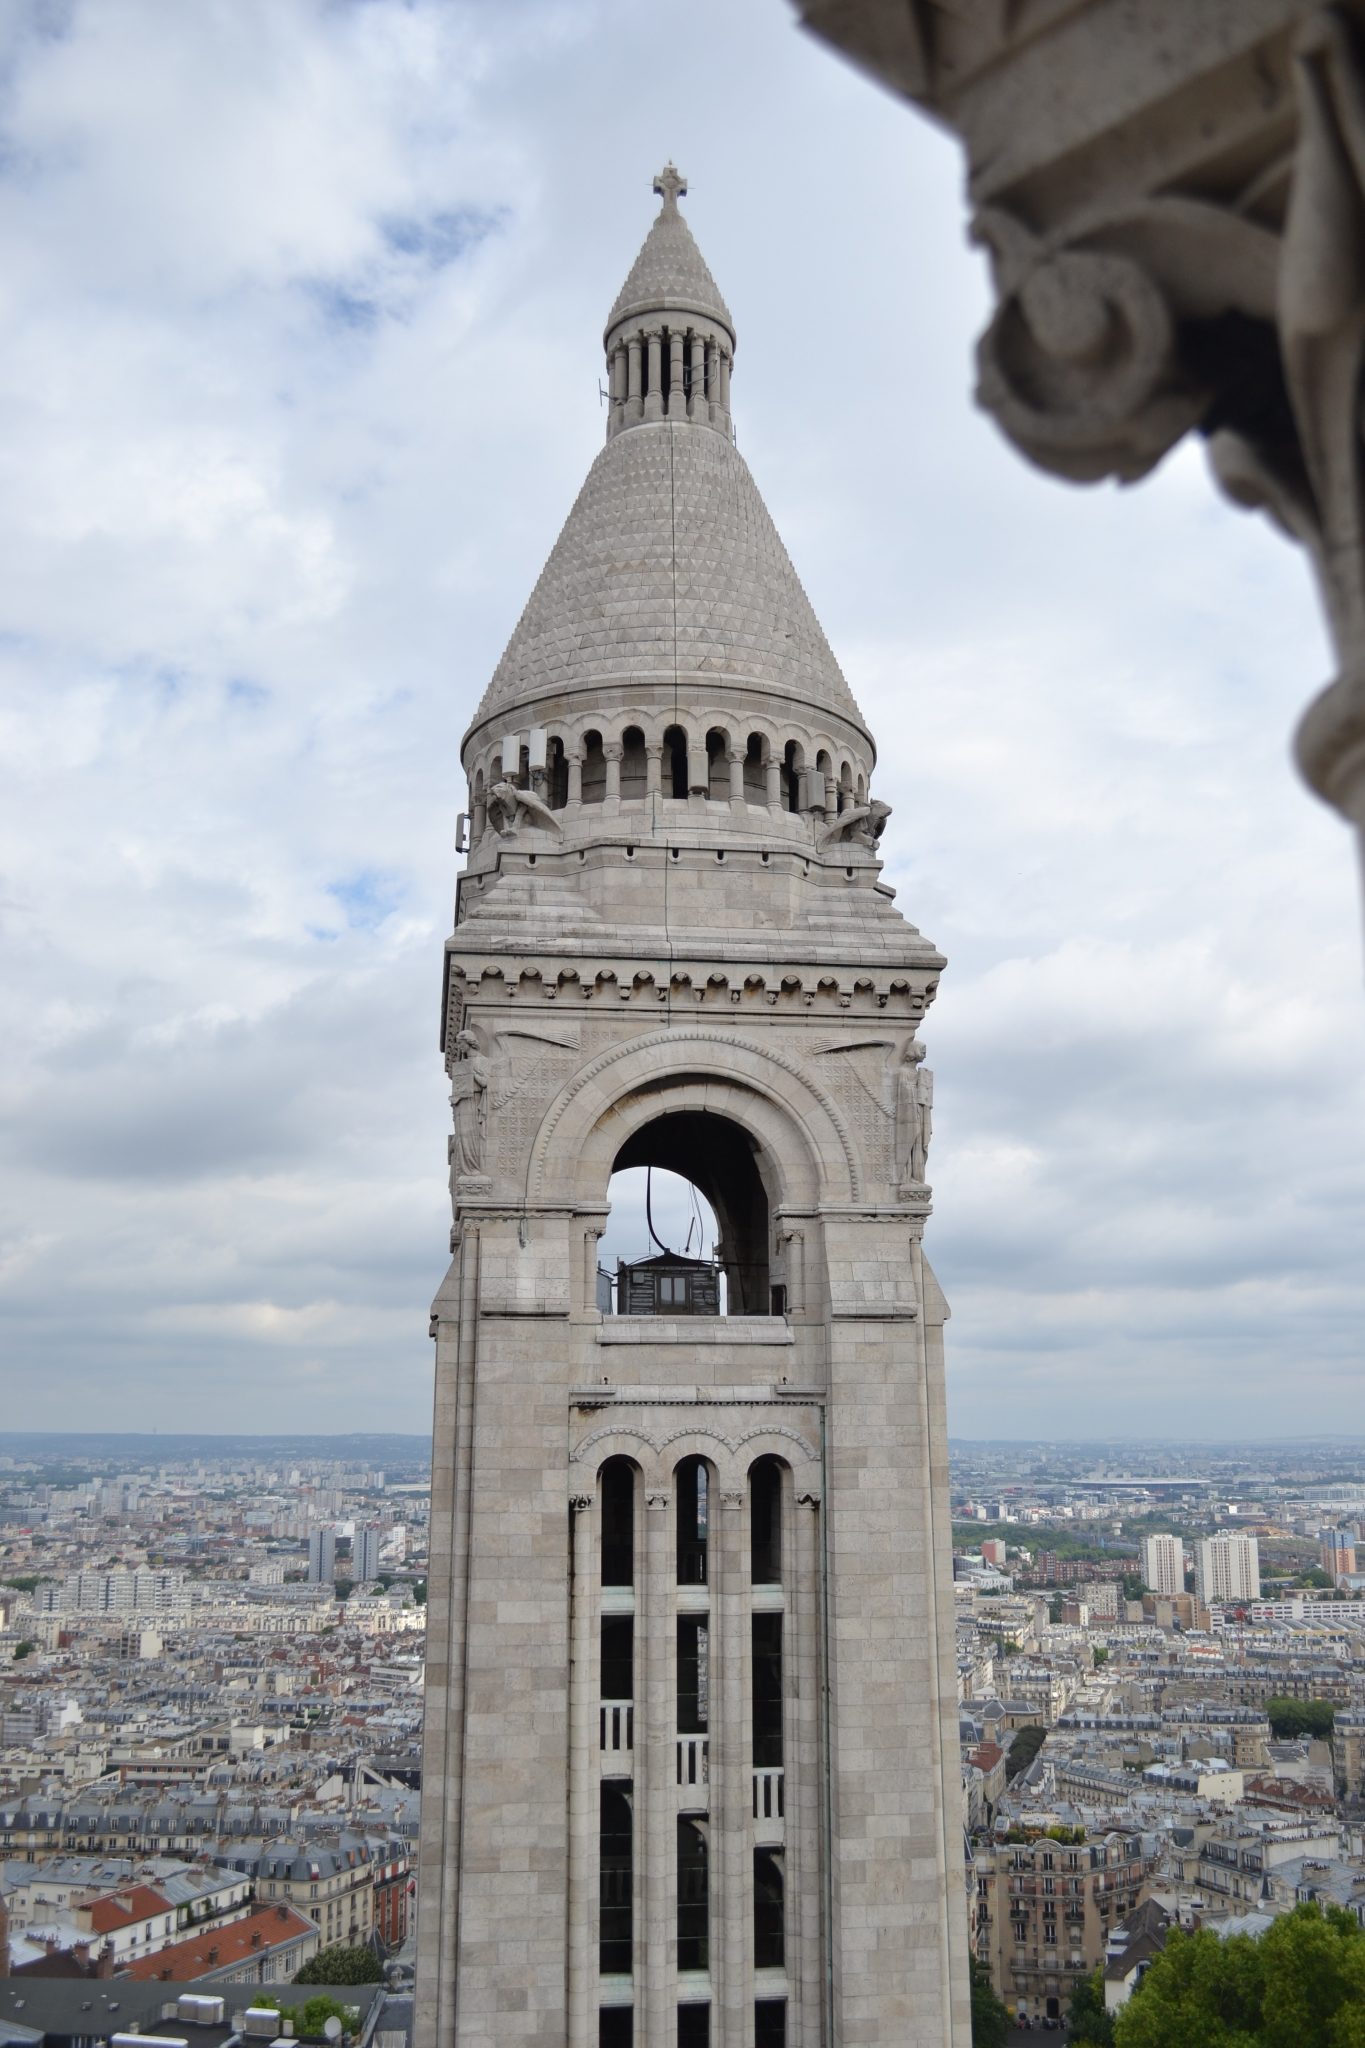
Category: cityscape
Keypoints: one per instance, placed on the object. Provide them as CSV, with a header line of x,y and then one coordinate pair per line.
x,y
212,1654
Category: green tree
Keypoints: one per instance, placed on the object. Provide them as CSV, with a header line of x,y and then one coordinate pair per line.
x,y
342,1965
1088,2022
1133,1587
419,1592
24,1649
990,2017
1299,1985
25,1583
1291,1718
1100,1654
1024,1748
311,2018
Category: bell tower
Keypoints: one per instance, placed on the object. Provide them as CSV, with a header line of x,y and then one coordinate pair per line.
x,y
691,1775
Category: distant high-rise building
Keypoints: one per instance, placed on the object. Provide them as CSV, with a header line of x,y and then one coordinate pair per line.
x,y
1163,1564
322,1556
1337,1550
1227,1568
365,1553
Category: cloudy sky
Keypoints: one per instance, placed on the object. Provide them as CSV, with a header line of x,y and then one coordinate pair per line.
x,y
300,306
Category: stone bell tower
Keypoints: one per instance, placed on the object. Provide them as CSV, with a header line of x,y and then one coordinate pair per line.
x,y
691,1770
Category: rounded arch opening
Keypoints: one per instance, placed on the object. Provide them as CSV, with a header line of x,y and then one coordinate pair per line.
x,y
674,765
594,782
756,769
717,764
714,1199
634,765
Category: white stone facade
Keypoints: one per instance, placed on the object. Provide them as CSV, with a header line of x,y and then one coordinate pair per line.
x,y
673,948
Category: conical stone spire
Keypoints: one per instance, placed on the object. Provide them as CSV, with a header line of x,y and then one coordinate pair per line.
x,y
669,570
669,275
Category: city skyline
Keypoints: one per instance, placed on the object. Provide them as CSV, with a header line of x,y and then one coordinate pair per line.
x,y
294,429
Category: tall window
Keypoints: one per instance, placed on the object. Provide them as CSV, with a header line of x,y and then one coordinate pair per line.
x,y
769,1912
634,765
616,2027
618,1522
765,1523
694,1897
755,769
675,762
692,1519
594,782
767,1649
770,2023
694,2026
616,1885
618,1657
694,1674
557,775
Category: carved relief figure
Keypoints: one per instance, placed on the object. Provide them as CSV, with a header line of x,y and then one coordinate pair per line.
x,y
506,802
863,825
469,1101
914,1114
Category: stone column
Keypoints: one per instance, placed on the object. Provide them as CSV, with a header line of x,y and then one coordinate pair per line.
x,y
803,1678
697,355
656,1771
616,385
654,397
654,758
772,775
584,1769
725,385
732,1776
575,766
676,407
712,381
478,820
735,757
698,767
613,750
634,402
590,1239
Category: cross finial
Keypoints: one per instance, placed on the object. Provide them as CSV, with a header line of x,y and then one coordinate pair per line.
x,y
670,186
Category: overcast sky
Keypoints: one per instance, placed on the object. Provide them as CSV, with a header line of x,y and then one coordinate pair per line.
x,y
301,305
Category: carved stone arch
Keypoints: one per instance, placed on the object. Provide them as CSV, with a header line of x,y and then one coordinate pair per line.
x,y
621,1440
774,1441
697,1441
797,1127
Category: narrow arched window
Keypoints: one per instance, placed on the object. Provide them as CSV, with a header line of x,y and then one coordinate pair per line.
x,y
675,762
793,761
617,1493
717,765
692,1501
765,1522
756,769
634,765
557,775
594,769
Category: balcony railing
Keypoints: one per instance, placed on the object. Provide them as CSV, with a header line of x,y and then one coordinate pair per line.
x,y
768,1794
617,1722
694,1761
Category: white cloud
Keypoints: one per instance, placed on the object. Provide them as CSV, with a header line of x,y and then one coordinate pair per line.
x,y
299,318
